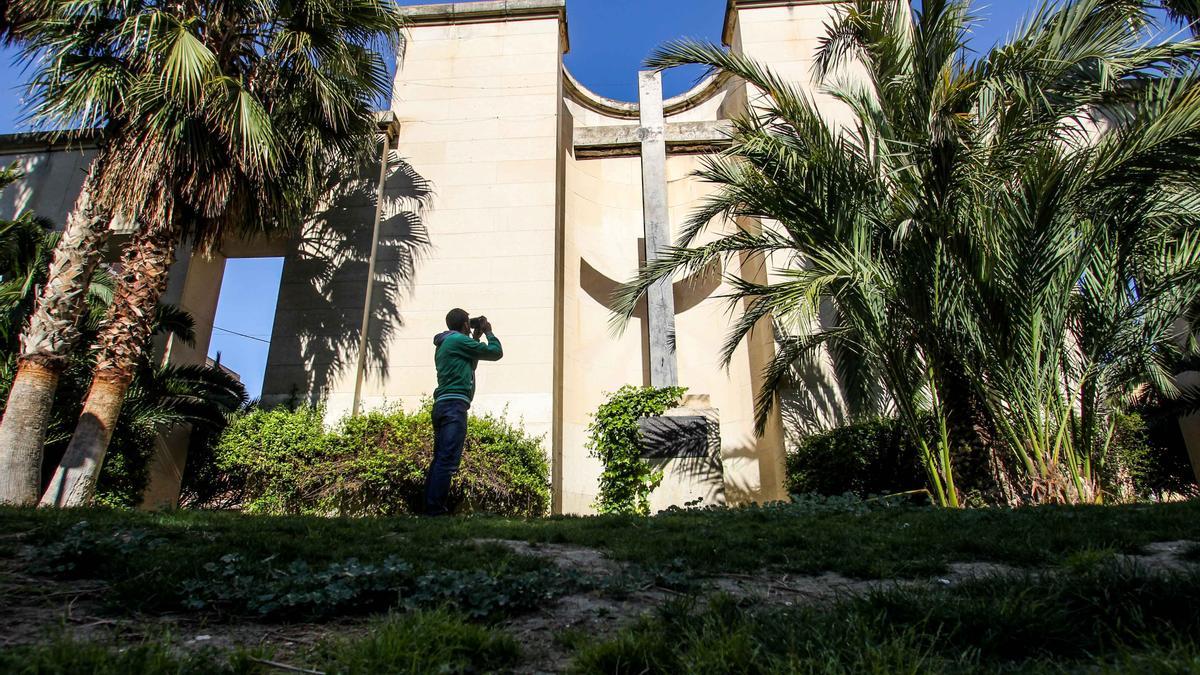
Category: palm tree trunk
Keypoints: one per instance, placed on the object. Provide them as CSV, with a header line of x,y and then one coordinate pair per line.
x,y
23,431
48,339
121,343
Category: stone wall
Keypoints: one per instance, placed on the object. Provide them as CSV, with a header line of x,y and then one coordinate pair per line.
x,y
514,192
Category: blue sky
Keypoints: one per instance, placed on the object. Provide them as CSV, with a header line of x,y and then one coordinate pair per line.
x,y
609,41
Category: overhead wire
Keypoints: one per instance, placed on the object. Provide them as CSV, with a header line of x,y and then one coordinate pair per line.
x,y
234,332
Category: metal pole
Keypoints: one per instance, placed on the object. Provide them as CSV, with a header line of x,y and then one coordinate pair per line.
x,y
360,368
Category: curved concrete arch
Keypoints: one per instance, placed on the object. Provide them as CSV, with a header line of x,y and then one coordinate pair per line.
x,y
704,91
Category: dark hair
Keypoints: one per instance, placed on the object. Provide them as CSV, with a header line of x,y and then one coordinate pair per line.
x,y
456,318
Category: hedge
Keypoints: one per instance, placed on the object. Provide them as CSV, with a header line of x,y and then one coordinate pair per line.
x,y
286,462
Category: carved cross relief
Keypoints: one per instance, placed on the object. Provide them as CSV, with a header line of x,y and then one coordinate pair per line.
x,y
663,300
660,297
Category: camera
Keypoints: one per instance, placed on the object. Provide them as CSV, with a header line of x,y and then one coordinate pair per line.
x,y
477,324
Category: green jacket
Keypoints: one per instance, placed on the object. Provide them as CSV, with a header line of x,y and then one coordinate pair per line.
x,y
456,356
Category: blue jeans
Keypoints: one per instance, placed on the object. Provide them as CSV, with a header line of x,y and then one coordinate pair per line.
x,y
449,435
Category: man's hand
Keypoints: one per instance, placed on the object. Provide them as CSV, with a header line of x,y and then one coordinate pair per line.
x,y
487,327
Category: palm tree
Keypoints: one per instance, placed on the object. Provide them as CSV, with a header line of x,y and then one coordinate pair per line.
x,y
238,108
1187,11
71,92
46,342
971,226
159,398
13,16
48,338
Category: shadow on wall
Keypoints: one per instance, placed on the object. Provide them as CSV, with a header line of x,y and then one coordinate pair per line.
x,y
689,453
688,293
811,402
738,489
18,198
829,389
52,180
314,342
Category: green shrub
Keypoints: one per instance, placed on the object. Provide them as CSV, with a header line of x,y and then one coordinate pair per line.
x,y
1148,452
126,471
1146,457
275,454
287,462
875,457
614,439
383,457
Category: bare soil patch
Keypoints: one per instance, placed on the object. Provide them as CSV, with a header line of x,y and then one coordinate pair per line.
x,y
591,614
1166,556
573,558
34,607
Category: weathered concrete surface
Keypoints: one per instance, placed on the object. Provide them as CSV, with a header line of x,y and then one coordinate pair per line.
x,y
470,220
660,299
696,480
623,139
488,9
1190,424
711,87
491,11
194,286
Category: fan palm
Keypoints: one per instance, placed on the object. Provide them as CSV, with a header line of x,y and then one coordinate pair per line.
x,y
25,246
1007,242
21,258
228,115
159,398
13,16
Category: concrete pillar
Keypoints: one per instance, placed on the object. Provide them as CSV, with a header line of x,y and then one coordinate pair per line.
x,y
195,286
660,297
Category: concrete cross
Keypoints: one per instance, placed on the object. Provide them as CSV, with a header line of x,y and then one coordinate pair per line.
x,y
660,298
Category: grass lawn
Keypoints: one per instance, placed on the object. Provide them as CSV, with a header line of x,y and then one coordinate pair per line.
x,y
1066,591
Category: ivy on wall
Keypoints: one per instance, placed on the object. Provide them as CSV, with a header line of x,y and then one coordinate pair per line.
x,y
627,479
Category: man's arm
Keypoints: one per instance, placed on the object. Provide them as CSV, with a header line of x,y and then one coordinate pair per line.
x,y
484,351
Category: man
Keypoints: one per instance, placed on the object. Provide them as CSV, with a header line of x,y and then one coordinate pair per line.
x,y
456,354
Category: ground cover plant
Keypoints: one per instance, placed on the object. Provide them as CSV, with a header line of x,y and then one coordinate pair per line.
x,y
415,644
1107,618
148,558
450,593
303,567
